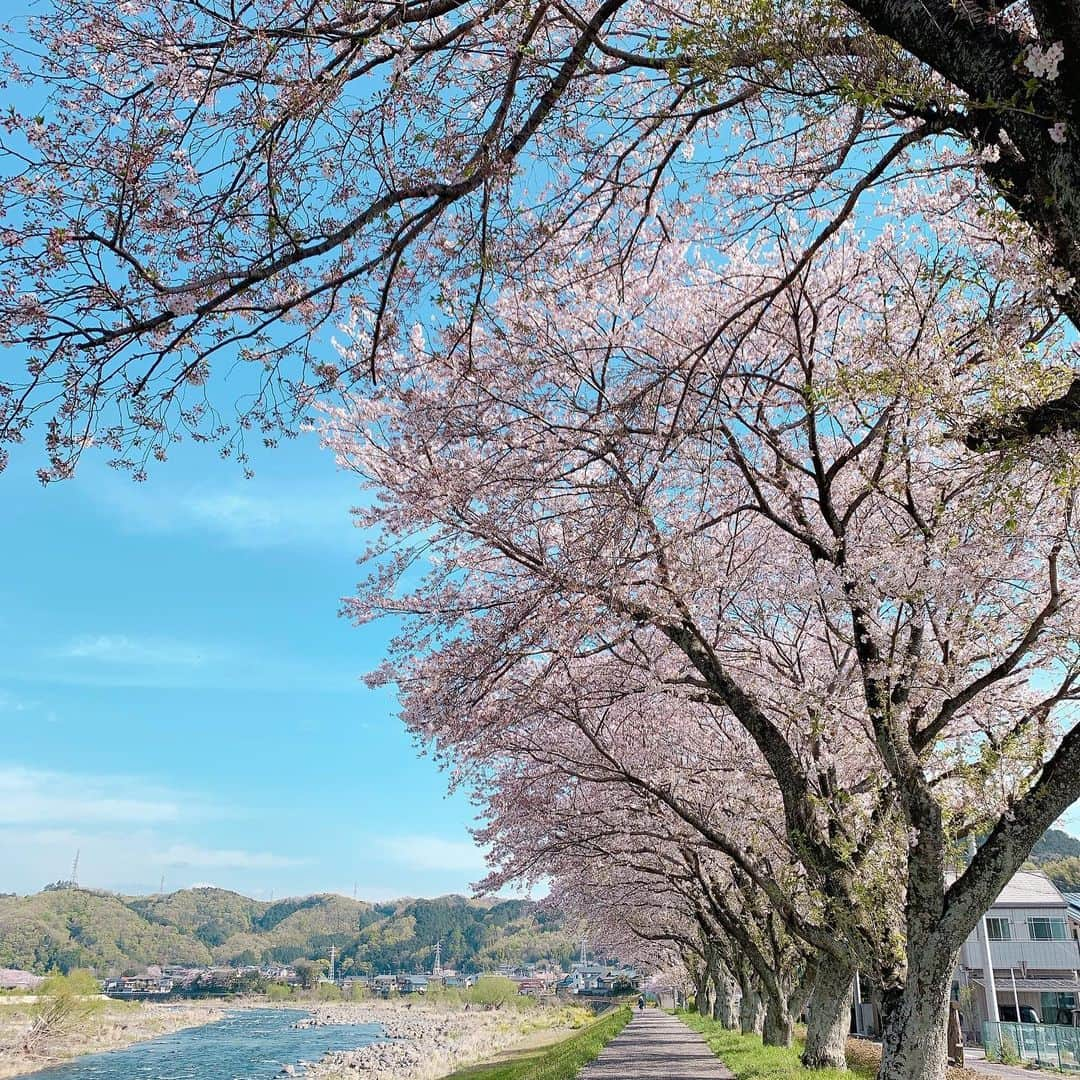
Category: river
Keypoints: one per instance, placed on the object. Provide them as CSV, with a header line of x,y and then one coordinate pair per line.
x,y
249,1045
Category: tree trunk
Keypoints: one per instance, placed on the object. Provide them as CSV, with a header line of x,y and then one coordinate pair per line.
x,y
915,1018
829,1019
724,1008
751,1012
701,992
778,1027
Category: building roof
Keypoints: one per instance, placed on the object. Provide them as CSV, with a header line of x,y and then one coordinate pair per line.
x,y
1030,888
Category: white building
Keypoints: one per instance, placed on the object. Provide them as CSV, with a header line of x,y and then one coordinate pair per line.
x,y
1035,957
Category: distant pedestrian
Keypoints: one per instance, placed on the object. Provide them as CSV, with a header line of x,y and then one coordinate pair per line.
x,y
641,1002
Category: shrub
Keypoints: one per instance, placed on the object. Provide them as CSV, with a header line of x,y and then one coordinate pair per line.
x,y
493,990
65,1001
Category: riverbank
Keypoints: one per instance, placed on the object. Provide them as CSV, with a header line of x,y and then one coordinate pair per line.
x,y
112,1026
425,1042
420,1042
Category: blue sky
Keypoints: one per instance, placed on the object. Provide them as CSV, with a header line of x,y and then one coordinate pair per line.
x,y
179,697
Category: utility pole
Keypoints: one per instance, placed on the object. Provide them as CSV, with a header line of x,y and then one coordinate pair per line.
x,y
989,985
333,954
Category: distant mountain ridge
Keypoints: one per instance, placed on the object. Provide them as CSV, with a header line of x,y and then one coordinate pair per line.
x,y
64,927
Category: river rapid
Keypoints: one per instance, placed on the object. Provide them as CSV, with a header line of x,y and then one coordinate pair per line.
x,y
254,1044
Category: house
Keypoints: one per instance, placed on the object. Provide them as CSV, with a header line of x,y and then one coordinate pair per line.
x,y
1034,955
1073,900
138,987
412,984
457,979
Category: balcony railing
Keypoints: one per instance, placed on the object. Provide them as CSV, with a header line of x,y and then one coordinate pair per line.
x,y
1037,955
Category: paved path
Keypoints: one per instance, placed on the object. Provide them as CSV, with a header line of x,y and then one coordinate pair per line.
x,y
656,1046
975,1059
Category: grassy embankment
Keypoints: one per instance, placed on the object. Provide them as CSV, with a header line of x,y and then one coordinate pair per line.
x,y
745,1056
562,1061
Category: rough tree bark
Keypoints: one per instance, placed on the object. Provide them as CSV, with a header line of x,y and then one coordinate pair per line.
x,y
829,1019
915,1017
778,1027
701,991
725,1008
751,1006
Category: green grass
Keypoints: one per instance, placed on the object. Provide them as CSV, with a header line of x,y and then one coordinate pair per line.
x,y
749,1060
563,1061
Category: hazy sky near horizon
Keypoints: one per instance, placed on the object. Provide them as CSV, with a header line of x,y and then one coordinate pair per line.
x,y
179,698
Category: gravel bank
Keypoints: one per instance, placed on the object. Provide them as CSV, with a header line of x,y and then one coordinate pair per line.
x,y
422,1042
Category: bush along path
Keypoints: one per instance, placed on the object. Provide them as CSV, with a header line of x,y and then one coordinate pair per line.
x,y
563,1061
656,1046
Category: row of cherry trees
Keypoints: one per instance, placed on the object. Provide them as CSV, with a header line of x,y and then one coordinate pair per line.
x,y
699,353
724,626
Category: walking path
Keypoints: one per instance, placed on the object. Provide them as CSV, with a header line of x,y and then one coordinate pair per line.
x,y
656,1046
975,1059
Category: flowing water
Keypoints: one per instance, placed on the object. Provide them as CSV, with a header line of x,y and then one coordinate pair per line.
x,y
249,1045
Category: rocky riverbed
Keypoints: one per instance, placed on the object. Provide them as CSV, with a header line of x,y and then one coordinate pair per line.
x,y
423,1042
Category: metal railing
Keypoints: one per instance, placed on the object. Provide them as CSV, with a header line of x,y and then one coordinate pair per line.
x,y
1040,1044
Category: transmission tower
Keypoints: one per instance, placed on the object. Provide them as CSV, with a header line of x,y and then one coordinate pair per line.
x,y
75,868
437,968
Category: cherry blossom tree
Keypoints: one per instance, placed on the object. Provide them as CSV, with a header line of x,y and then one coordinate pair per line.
x,y
764,507
590,760
192,184
605,841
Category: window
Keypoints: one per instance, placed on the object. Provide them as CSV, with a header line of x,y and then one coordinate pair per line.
x,y
998,929
1042,928
1057,1008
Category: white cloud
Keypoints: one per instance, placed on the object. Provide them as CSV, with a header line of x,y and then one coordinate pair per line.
x,y
421,852
188,855
11,704
239,518
121,649
42,797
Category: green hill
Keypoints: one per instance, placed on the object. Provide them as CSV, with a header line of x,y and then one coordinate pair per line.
x,y
1057,854
1055,844
65,927
69,928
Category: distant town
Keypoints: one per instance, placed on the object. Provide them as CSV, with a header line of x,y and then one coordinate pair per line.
x,y
545,979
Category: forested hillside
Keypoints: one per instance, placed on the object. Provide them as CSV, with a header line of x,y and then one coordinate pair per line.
x,y
1057,854
69,927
